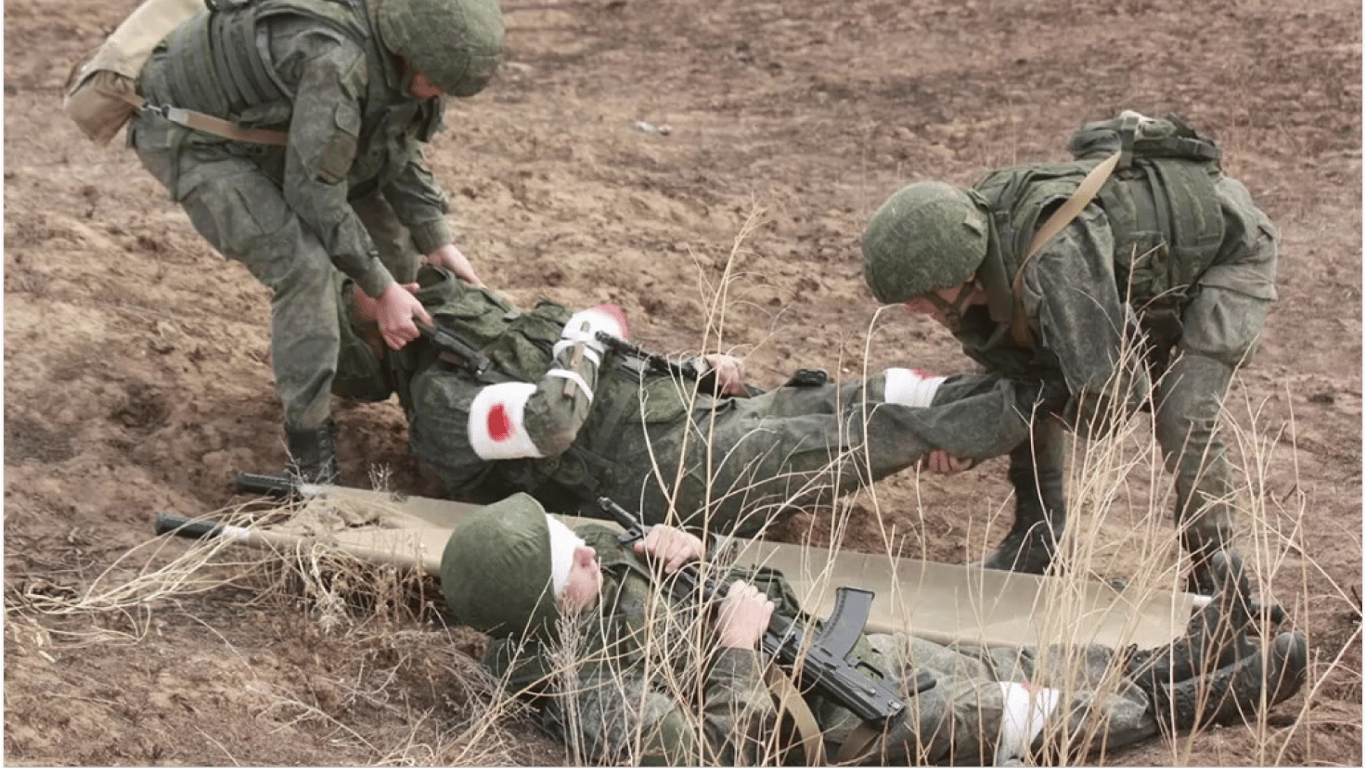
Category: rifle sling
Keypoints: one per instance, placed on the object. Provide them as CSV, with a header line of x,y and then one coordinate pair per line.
x,y
790,700
857,745
1069,210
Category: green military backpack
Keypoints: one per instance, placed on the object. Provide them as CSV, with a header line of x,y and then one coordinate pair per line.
x,y
1163,207
1136,136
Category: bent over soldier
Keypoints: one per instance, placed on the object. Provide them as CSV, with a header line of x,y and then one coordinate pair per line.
x,y
543,401
633,672
1171,259
352,88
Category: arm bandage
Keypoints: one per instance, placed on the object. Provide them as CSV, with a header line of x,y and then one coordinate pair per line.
x,y
496,428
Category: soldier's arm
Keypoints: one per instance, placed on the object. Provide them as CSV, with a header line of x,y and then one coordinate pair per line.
x,y
419,202
1080,318
361,373
516,420
330,76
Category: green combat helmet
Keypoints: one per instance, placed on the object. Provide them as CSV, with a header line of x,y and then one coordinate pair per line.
x,y
456,43
929,235
495,571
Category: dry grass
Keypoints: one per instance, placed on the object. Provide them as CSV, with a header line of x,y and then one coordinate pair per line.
x,y
389,622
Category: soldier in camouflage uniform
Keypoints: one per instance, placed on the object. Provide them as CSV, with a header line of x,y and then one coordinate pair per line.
x,y
358,86
579,623
559,413
1171,254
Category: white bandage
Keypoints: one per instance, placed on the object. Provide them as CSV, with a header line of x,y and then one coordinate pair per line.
x,y
574,377
911,388
1024,709
496,428
583,327
563,542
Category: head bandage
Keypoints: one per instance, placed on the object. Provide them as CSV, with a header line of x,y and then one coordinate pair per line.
x,y
563,542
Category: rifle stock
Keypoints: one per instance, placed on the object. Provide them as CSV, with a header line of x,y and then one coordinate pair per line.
x,y
824,666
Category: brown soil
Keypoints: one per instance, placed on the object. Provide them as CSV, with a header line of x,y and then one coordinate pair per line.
x,y
136,375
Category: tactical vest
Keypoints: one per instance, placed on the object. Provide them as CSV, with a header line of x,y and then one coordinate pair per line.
x,y
1164,215
222,66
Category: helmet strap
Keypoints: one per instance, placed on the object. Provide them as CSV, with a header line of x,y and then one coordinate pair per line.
x,y
952,311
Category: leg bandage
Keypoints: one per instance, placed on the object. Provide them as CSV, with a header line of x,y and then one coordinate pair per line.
x,y
496,428
911,388
1024,709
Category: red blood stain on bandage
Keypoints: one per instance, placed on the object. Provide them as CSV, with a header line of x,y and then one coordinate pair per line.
x,y
500,426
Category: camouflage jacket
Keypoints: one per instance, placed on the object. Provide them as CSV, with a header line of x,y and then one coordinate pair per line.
x,y
315,68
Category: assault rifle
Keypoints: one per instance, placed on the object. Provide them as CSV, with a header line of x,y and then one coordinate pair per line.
x,y
824,666
705,381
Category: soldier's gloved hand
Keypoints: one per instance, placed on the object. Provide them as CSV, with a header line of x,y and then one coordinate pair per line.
x,y
744,616
729,372
670,547
449,257
584,325
395,312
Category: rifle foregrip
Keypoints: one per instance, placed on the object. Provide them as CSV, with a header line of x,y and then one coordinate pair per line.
x,y
186,527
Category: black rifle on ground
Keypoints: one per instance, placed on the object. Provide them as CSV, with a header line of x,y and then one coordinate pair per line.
x,y
824,666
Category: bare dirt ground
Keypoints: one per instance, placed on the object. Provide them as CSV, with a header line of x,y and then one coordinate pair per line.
x,y
136,374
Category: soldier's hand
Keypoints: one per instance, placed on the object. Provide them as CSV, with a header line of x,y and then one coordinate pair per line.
x,y
729,372
743,617
397,308
941,463
670,547
449,257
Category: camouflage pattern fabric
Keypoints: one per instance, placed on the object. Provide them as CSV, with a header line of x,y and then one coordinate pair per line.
x,y
294,215
601,689
730,464
1081,319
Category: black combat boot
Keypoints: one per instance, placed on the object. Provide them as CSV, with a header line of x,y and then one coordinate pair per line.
x,y
313,453
1040,514
1215,637
1235,692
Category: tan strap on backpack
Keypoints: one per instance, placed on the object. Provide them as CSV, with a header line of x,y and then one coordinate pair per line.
x,y
100,95
210,124
1069,210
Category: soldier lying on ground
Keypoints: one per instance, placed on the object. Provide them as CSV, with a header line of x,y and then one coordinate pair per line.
x,y
543,404
581,623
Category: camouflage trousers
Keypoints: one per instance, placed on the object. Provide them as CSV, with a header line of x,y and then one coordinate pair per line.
x,y
241,211
960,721
965,719
747,461
1220,326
